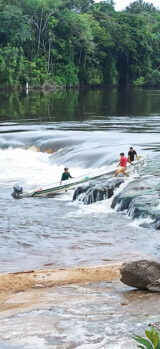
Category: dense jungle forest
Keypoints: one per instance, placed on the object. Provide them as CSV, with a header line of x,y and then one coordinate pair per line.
x,y
78,43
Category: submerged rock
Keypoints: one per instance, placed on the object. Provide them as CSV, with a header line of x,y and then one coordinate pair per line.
x,y
140,199
122,202
156,222
142,274
97,191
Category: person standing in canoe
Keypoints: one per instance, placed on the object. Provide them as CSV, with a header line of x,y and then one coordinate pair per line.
x,y
65,175
123,165
132,154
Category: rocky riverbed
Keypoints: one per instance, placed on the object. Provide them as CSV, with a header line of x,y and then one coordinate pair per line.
x,y
93,314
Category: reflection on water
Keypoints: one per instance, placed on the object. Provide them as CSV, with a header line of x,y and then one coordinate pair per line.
x,y
78,105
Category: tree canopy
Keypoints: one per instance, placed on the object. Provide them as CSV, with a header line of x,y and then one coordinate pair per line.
x,y
78,42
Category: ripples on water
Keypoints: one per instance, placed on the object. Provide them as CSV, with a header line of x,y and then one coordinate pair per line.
x,y
85,130
85,316
56,231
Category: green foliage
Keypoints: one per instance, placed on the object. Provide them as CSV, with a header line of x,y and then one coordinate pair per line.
x,y
92,76
66,75
105,6
12,65
141,6
81,6
15,70
153,78
139,82
73,42
152,341
14,26
36,73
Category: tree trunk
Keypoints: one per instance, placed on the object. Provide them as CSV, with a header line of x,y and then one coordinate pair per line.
x,y
49,52
79,61
40,30
85,58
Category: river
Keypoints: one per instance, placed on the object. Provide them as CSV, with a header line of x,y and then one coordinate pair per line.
x,y
85,130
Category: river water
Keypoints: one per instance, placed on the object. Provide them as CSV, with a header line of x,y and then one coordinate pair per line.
x,y
84,130
40,134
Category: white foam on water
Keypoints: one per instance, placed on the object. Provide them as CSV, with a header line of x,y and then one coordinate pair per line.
x,y
33,342
103,207
78,334
139,221
90,346
106,343
31,168
158,207
21,164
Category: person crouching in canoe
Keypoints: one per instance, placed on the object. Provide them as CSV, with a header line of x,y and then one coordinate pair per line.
x,y
65,175
123,165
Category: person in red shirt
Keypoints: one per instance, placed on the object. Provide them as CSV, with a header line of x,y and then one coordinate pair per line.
x,y
123,165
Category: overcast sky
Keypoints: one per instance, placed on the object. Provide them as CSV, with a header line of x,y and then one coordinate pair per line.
x,y
121,4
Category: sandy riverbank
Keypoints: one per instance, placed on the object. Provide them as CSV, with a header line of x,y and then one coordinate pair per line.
x,y
22,281
26,282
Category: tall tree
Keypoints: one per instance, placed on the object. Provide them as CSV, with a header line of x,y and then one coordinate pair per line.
x,y
14,25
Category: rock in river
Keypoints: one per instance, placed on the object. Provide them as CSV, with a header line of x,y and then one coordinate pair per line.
x,y
142,274
97,190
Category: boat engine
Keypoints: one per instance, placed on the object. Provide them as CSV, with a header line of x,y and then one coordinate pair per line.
x,y
17,191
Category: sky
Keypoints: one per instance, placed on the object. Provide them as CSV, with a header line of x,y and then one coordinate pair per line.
x,y
121,4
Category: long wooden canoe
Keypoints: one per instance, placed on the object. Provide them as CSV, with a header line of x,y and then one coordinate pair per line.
x,y
73,183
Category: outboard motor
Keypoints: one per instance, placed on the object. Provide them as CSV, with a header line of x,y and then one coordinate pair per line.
x,y
17,191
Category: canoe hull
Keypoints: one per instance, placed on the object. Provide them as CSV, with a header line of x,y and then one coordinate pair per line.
x,y
72,184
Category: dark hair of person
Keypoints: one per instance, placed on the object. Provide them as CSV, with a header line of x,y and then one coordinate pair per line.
x,y
122,154
131,147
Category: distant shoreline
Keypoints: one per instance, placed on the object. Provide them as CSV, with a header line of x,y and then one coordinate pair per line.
x,y
83,87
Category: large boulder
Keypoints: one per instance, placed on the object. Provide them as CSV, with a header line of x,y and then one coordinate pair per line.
x,y
80,190
154,286
97,190
97,194
142,274
140,199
